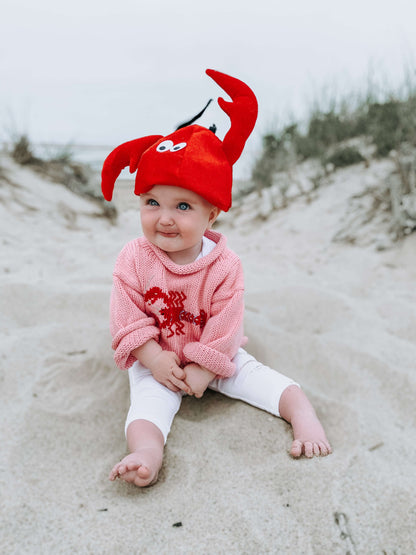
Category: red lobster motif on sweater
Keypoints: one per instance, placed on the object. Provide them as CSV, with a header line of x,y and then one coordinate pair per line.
x,y
173,311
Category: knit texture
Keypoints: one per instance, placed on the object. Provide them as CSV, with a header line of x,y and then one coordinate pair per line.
x,y
195,310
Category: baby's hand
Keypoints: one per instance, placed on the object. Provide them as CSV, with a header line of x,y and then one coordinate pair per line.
x,y
166,370
198,378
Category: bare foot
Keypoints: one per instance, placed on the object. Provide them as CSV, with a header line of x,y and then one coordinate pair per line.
x,y
198,378
140,468
309,437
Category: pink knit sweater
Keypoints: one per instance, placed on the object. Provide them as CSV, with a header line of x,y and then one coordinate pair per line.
x,y
195,310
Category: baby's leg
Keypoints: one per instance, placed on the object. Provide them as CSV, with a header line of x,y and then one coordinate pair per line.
x,y
269,390
153,407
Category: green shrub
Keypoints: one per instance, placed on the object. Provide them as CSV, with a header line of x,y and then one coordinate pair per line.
x,y
387,124
22,151
345,156
326,129
268,164
384,125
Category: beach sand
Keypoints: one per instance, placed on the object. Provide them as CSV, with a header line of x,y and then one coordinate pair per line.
x,y
338,318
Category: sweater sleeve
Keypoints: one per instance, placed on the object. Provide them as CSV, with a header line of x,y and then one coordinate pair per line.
x,y
222,335
130,326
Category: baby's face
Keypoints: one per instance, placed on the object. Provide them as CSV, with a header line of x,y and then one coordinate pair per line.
x,y
175,220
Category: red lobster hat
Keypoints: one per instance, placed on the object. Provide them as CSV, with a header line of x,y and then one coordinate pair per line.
x,y
192,157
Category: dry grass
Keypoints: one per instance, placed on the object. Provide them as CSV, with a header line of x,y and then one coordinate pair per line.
x,y
356,129
60,168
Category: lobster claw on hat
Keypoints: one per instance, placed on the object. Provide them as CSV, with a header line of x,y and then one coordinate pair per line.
x,y
242,112
127,154
191,157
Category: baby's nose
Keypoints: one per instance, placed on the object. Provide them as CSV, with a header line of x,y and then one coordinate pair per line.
x,y
166,218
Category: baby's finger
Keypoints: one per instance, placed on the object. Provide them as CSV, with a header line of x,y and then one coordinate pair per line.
x,y
171,386
178,372
181,384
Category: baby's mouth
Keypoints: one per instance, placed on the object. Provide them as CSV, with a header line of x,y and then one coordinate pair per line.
x,y
166,234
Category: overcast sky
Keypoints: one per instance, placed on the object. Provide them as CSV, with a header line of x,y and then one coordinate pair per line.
x,y
94,71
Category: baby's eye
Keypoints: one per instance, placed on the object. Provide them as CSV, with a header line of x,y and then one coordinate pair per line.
x,y
152,202
184,206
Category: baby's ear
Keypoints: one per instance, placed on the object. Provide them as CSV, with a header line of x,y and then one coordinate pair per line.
x,y
215,212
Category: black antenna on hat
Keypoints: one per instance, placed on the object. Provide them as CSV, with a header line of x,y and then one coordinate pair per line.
x,y
195,117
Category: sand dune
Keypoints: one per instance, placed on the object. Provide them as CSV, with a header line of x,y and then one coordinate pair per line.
x,y
339,319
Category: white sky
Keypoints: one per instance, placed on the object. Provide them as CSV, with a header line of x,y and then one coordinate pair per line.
x,y
101,72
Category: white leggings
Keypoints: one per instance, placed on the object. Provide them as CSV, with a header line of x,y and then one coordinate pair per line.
x,y
252,382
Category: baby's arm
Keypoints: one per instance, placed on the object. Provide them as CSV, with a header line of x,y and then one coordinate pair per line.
x,y
198,378
222,334
164,365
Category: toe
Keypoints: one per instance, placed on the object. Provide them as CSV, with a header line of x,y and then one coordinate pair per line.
x,y
114,472
323,449
308,449
133,465
122,469
144,477
296,450
143,472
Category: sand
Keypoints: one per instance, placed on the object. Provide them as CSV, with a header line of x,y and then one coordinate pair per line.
x,y
338,318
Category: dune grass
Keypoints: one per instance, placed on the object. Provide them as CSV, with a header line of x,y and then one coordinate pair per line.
x,y
356,128
61,168
384,124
